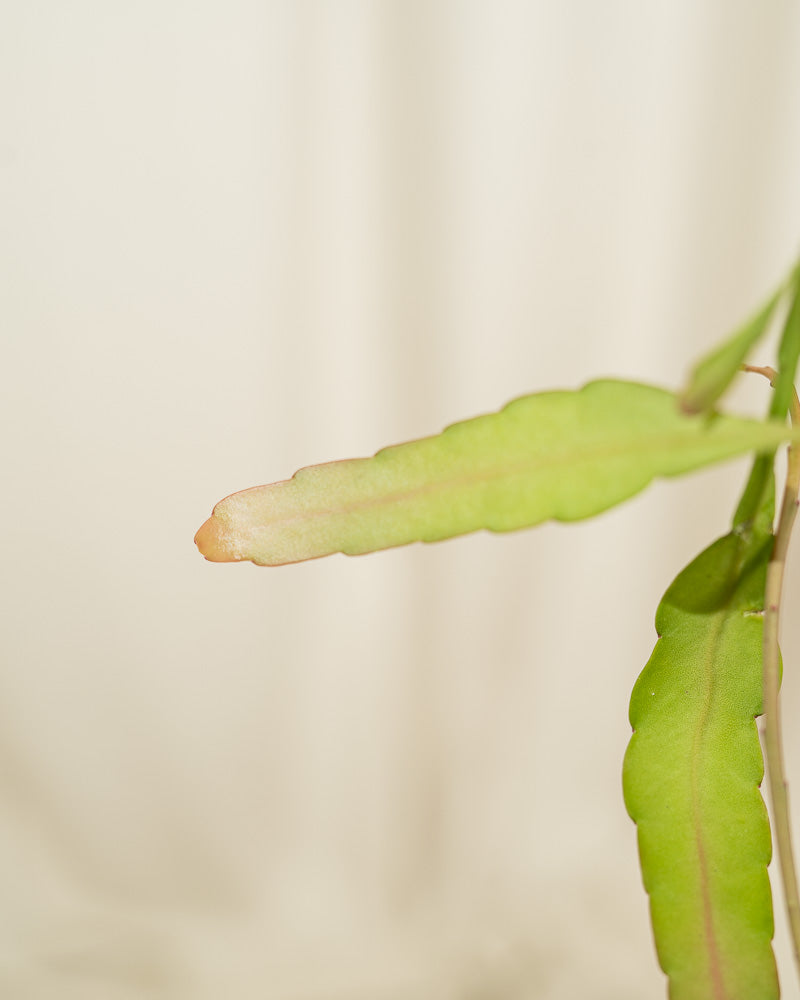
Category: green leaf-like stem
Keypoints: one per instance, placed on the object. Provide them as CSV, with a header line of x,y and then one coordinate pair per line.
x,y
563,455
713,373
692,773
788,354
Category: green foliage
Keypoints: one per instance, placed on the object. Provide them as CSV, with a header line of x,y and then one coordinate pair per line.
x,y
712,375
714,372
693,768
692,772
788,354
760,486
561,455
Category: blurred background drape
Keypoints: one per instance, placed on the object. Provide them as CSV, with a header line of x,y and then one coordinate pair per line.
x,y
242,237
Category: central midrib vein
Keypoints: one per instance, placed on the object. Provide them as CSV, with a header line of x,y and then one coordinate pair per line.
x,y
547,462
715,968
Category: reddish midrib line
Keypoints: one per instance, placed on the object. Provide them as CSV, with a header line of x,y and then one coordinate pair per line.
x,y
712,946
546,462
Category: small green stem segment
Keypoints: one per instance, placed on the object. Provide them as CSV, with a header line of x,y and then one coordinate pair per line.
x,y
772,719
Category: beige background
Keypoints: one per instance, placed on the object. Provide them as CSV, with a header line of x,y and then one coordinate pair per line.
x,y
242,237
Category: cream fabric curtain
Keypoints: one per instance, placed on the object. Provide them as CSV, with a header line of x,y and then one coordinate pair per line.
x,y
243,237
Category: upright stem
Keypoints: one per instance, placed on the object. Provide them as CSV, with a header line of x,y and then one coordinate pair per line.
x,y
772,717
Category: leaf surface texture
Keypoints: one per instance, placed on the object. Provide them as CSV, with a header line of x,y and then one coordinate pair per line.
x,y
713,374
561,455
788,354
692,773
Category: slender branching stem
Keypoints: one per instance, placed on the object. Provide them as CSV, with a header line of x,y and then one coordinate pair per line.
x,y
772,718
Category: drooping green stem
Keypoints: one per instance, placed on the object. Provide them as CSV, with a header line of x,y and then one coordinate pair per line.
x,y
778,786
694,765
